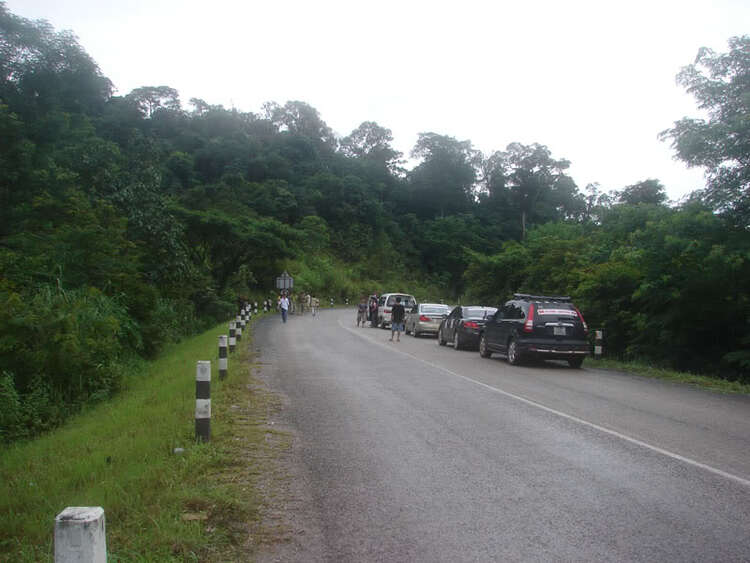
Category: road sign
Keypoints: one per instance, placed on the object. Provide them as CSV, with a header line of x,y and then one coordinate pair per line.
x,y
285,281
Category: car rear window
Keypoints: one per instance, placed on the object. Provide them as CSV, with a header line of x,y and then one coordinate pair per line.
x,y
435,310
406,300
555,309
479,312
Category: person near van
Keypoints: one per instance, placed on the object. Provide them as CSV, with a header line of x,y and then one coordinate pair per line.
x,y
374,310
362,311
398,312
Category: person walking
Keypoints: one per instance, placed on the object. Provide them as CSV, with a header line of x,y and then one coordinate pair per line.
x,y
398,312
284,306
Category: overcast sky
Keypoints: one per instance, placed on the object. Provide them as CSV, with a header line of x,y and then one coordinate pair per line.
x,y
594,81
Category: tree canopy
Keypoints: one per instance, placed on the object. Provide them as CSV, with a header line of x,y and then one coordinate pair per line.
x,y
720,83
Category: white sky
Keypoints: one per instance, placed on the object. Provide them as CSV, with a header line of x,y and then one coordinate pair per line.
x,y
592,80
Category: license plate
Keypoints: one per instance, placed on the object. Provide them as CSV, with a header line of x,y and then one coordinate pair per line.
x,y
559,330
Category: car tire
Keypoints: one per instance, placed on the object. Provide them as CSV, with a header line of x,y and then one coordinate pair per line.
x,y
483,350
441,341
414,332
514,357
575,363
457,341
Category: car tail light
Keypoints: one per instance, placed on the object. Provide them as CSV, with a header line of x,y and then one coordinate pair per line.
x,y
585,326
386,310
528,326
470,324
424,319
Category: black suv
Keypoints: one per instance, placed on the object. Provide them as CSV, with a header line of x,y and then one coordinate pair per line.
x,y
536,326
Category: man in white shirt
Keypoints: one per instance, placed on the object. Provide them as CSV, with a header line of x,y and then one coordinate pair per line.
x,y
284,304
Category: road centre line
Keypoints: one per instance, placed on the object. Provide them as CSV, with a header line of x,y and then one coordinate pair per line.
x,y
625,437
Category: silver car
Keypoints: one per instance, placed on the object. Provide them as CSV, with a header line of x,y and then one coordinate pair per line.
x,y
425,318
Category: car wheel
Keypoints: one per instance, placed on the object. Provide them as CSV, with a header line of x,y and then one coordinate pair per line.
x,y
456,341
382,323
441,341
514,358
414,332
483,350
575,363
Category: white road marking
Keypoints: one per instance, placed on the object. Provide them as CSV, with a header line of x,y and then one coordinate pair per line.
x,y
625,437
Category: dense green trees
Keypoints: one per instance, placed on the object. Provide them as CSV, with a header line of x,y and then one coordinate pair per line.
x,y
126,222
720,83
667,285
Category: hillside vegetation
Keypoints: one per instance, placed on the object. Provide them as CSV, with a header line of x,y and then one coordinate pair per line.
x,y
127,222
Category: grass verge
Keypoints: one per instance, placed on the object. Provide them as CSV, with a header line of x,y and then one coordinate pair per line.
x,y
201,505
645,370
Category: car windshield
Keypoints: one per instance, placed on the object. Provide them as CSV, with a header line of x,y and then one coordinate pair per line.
x,y
435,310
479,312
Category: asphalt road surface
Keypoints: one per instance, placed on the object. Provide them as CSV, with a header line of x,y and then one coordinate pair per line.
x,y
414,452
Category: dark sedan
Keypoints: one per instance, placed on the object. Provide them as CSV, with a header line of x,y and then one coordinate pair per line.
x,y
462,327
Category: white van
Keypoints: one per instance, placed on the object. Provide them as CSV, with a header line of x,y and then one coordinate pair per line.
x,y
388,300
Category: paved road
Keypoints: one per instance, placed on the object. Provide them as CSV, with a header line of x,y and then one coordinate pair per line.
x,y
415,452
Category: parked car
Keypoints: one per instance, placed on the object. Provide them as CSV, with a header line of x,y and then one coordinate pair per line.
x,y
425,318
536,326
388,300
463,325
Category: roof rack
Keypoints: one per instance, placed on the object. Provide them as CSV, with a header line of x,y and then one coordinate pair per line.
x,y
527,297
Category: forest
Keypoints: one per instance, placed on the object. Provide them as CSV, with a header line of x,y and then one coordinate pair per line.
x,y
128,222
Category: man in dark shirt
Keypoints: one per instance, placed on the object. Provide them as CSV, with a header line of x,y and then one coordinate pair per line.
x,y
397,319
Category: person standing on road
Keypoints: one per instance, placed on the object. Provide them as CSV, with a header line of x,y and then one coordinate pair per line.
x,y
362,311
398,312
373,311
284,306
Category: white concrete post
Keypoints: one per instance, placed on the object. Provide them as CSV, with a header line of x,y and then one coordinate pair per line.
x,y
232,336
80,535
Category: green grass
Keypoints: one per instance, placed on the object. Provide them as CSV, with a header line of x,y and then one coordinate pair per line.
x,y
159,506
645,370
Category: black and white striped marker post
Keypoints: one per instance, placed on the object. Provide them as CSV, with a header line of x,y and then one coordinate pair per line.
x,y
232,337
203,402
223,361
238,328
598,338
